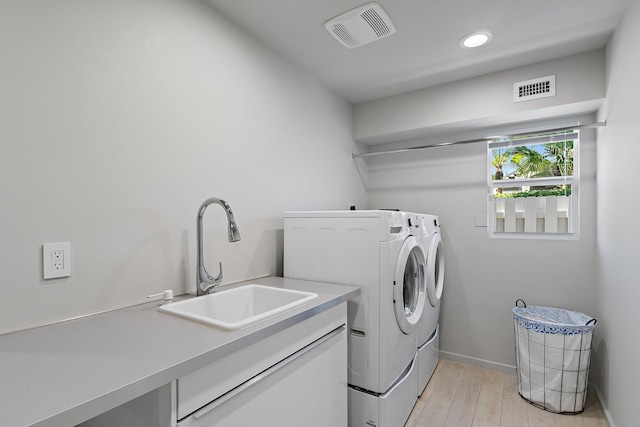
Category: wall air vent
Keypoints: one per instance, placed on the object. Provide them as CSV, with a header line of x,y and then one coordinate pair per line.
x,y
542,87
361,25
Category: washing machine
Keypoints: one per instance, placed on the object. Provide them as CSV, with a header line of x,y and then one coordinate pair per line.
x,y
428,352
378,251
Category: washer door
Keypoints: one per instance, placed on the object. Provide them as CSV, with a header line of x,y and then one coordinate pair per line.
x,y
408,289
435,269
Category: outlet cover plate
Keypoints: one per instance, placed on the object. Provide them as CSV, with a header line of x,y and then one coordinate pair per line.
x,y
56,260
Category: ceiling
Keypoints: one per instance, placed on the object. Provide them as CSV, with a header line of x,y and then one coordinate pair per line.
x,y
425,49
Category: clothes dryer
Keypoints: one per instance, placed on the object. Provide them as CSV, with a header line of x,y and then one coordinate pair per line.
x,y
378,251
428,353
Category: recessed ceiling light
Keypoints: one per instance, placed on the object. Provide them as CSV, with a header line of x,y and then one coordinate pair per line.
x,y
477,39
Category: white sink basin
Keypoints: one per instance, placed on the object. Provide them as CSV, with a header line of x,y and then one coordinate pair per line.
x,y
239,307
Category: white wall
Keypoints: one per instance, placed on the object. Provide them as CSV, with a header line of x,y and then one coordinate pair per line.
x,y
618,288
484,277
118,118
483,101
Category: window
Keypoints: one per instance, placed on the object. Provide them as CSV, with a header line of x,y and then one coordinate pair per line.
x,y
533,183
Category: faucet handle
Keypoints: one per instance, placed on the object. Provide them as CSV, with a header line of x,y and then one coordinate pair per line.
x,y
218,278
207,282
210,279
167,296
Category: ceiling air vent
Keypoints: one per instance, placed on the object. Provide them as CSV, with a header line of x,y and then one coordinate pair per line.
x,y
542,87
361,25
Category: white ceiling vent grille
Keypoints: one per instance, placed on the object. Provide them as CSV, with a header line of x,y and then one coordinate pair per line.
x,y
542,87
361,25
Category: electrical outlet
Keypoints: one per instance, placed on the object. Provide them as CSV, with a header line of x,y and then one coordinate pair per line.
x,y
56,260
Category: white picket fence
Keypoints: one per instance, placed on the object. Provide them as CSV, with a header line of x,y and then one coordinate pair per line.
x,y
549,214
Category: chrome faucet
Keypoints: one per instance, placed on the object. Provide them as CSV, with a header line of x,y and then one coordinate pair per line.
x,y
204,281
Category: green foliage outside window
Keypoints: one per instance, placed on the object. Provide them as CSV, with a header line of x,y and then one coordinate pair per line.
x,y
533,161
536,193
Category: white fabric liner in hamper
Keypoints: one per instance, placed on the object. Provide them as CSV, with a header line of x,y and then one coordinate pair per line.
x,y
553,348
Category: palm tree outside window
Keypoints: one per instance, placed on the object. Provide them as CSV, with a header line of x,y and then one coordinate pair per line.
x,y
541,168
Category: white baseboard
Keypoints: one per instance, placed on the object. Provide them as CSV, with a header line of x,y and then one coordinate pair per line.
x,y
605,409
481,363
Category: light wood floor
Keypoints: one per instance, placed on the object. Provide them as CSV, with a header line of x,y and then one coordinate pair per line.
x,y
461,395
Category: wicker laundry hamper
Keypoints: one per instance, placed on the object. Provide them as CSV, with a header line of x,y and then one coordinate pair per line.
x,y
553,353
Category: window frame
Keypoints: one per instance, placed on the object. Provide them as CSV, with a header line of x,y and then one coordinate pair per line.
x,y
536,137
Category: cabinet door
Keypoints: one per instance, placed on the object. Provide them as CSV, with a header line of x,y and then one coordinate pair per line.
x,y
307,389
209,383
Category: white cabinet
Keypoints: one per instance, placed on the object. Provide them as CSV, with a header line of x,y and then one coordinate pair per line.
x,y
307,386
296,377
305,389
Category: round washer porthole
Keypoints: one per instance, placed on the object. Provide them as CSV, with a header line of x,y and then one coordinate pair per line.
x,y
435,270
408,300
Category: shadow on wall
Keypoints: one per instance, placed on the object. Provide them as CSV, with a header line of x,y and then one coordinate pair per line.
x,y
271,244
152,248
599,369
279,252
186,285
444,174
427,185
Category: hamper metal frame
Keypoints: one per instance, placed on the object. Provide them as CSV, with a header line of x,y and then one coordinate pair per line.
x,y
552,358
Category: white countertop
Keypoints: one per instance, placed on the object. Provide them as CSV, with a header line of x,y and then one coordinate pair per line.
x,y
69,372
